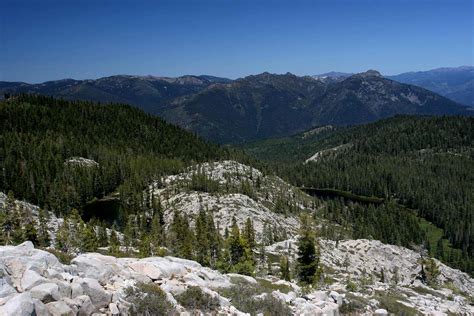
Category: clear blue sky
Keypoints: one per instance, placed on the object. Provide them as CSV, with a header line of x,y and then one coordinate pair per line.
x,y
47,40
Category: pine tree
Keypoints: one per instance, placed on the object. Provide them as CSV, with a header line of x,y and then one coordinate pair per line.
x,y
114,242
76,230
241,256
102,238
17,231
432,271
89,242
308,259
249,233
181,237
145,246
440,249
236,246
156,234
43,234
202,248
285,268
3,235
30,232
214,239
267,235
186,240
62,237
130,233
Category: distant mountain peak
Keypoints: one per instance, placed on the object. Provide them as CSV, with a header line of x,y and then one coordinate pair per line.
x,y
370,73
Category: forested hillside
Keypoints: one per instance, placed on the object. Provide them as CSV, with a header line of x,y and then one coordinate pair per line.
x,y
257,106
418,165
60,155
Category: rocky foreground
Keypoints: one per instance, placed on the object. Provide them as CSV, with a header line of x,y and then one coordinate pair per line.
x,y
34,282
360,277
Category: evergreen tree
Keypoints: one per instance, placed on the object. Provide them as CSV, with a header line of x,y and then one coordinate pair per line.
x,y
102,238
202,247
285,268
145,249
17,231
431,271
181,237
114,242
215,241
308,259
156,233
76,230
43,234
130,233
30,232
62,237
241,257
249,233
440,249
236,244
89,242
3,235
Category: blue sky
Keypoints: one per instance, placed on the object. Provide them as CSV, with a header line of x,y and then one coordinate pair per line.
x,y
47,40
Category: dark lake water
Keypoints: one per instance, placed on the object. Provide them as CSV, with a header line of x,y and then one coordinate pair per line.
x,y
106,209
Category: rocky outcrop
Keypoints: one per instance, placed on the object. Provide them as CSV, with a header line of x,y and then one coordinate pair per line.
x,y
377,271
98,283
95,283
245,192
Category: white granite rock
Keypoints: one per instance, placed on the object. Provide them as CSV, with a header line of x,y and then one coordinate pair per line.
x,y
59,308
46,292
19,305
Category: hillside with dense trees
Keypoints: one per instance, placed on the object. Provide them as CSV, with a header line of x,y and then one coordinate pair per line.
x,y
61,155
257,106
422,164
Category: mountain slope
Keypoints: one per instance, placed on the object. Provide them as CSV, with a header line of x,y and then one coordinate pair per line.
x,y
423,163
255,107
146,92
456,84
367,97
124,147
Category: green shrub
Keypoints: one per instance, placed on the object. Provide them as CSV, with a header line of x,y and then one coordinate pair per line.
x,y
351,286
392,303
63,257
270,306
195,299
242,297
268,287
148,299
355,305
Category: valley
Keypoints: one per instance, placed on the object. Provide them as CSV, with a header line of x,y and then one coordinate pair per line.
x,y
410,162
137,206
236,158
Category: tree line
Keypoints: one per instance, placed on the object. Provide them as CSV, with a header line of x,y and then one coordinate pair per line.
x,y
424,164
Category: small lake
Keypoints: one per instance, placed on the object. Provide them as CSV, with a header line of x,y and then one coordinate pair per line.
x,y
106,209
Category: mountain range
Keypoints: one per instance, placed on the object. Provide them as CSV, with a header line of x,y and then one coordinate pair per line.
x,y
106,209
257,106
455,83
